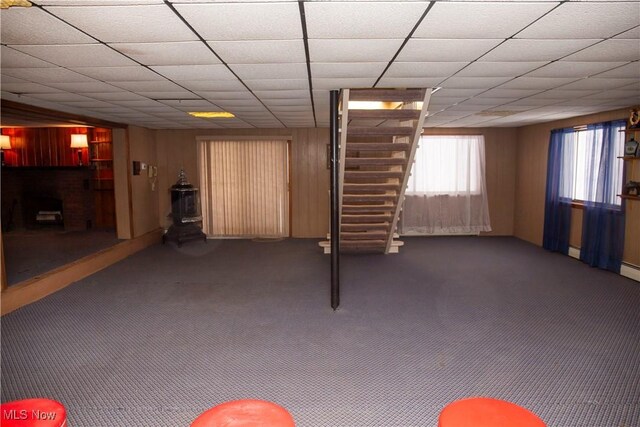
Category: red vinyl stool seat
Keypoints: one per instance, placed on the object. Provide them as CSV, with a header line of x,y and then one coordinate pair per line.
x,y
33,413
487,412
245,413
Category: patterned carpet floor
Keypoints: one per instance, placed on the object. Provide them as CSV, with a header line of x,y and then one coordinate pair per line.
x,y
169,332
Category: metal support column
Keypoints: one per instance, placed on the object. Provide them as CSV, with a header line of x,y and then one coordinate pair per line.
x,y
335,201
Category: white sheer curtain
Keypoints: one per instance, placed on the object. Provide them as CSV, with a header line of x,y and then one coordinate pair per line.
x,y
447,193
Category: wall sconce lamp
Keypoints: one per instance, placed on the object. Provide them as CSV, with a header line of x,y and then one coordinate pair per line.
x,y
79,141
5,144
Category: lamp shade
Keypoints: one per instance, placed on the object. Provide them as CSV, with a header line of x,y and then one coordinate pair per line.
x,y
5,142
79,140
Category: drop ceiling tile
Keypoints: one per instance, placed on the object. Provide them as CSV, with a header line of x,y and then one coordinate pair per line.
x,y
573,69
463,20
84,87
88,104
168,53
116,74
635,86
213,85
609,51
271,71
353,69
596,83
540,83
77,55
260,51
297,109
194,72
499,69
277,84
47,75
484,102
500,92
587,20
532,102
445,50
221,95
392,82
287,102
455,92
179,94
133,23
148,86
473,82
140,103
240,103
282,94
535,50
470,107
424,69
176,103
631,70
28,87
21,26
115,96
362,20
12,58
563,94
354,50
60,97
244,21
633,33
334,84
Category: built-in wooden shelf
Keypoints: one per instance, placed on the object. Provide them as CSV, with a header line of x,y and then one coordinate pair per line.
x,y
628,197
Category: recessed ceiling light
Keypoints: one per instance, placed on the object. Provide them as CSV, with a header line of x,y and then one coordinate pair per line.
x,y
212,114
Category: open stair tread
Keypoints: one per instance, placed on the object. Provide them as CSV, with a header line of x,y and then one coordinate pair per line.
x,y
378,146
373,174
364,227
379,130
396,114
363,161
391,95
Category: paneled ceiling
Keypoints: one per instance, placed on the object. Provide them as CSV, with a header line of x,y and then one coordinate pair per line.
x,y
273,63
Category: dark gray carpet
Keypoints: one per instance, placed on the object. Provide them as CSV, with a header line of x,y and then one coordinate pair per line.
x,y
160,337
29,253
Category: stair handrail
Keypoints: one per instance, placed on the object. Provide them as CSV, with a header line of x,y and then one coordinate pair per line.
x,y
407,173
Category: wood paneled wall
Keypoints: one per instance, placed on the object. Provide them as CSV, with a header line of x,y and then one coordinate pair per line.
x,y
144,195
532,153
309,175
43,147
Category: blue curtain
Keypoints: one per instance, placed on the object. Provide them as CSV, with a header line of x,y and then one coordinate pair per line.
x,y
603,221
557,211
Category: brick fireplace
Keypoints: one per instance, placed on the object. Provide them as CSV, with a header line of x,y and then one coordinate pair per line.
x,y
26,191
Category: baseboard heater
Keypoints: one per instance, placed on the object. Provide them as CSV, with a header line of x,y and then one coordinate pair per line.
x,y
627,270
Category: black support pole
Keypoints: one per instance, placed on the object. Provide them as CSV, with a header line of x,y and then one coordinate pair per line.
x,y
335,202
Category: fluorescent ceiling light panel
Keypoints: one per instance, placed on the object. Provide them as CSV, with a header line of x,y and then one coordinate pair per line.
x,y
212,114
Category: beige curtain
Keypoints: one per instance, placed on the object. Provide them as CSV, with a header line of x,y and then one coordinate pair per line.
x,y
244,187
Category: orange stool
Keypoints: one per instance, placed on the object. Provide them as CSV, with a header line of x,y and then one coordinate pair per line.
x,y
245,413
33,413
487,412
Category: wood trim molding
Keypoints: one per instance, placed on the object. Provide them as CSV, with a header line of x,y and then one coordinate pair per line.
x,y
18,110
32,290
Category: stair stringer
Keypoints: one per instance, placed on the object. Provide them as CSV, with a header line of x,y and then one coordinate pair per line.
x,y
418,124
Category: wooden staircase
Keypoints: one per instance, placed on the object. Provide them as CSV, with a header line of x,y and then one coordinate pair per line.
x,y
377,146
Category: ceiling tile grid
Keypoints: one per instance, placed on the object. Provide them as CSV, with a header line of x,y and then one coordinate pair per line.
x,y
149,61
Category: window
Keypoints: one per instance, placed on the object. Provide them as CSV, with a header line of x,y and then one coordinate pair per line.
x,y
447,165
585,155
446,193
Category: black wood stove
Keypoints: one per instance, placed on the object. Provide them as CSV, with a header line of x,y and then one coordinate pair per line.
x,y
185,212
